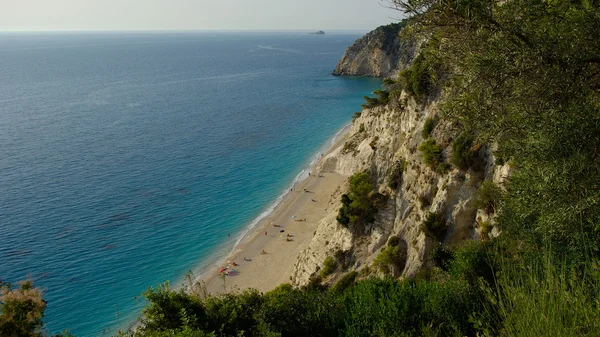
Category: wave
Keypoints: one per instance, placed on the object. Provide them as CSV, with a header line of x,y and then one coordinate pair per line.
x,y
302,175
272,47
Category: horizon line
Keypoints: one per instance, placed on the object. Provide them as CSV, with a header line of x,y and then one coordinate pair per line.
x,y
181,30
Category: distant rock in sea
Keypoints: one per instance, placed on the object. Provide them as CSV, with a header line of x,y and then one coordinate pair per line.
x,y
320,32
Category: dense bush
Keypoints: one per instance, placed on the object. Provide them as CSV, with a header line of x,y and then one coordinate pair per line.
x,y
382,97
389,257
462,154
329,266
371,307
516,68
487,197
21,310
359,205
422,76
432,153
428,127
435,226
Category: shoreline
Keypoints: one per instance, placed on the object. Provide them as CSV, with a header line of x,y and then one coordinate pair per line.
x,y
264,272
292,199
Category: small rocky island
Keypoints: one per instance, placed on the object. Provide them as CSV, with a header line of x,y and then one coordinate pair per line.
x,y
320,32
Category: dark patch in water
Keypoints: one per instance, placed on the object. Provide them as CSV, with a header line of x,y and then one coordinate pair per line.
x,y
18,253
109,246
43,275
119,217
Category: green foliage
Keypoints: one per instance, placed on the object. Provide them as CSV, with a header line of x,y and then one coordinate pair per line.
x,y
545,298
21,310
370,307
361,128
473,260
329,266
422,76
526,79
345,282
443,168
377,307
435,226
389,257
428,127
488,196
432,153
462,155
382,97
170,310
356,115
441,257
359,205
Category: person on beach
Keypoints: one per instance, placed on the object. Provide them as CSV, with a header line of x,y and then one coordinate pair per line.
x,y
263,252
265,233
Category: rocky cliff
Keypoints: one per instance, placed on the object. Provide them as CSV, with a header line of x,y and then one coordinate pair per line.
x,y
383,141
380,53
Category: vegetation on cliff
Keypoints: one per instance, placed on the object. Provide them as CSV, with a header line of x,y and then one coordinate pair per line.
x,y
522,76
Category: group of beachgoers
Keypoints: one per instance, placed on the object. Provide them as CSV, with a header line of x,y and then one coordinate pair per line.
x,y
230,271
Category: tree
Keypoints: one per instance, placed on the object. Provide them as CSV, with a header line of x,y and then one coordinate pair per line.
x,y
21,310
525,74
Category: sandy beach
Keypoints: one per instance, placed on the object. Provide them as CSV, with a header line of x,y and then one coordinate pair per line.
x,y
265,257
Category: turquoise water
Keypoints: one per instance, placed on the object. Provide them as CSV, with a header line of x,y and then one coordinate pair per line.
x,y
126,159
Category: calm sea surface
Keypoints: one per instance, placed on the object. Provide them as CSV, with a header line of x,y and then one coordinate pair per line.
x,y
126,159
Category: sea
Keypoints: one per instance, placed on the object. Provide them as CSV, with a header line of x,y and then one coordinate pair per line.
x,y
128,159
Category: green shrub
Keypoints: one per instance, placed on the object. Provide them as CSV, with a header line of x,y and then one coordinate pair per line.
x,y
359,205
356,115
432,153
345,282
441,257
435,226
472,261
388,257
393,241
21,309
462,155
488,196
421,77
329,266
382,97
428,127
361,128
443,168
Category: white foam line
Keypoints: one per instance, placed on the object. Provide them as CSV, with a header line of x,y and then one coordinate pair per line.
x,y
299,177
201,271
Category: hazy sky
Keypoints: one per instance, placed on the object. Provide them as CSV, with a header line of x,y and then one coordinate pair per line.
x,y
43,15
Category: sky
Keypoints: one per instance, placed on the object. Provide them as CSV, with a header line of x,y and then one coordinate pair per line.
x,y
99,15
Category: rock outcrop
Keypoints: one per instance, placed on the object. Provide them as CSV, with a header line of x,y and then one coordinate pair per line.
x,y
380,53
384,142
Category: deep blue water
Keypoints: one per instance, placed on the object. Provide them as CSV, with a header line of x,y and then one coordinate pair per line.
x,y
126,159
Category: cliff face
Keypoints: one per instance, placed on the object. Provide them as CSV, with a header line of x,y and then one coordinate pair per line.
x,y
376,54
380,141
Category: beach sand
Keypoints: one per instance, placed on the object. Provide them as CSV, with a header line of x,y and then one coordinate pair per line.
x,y
266,271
